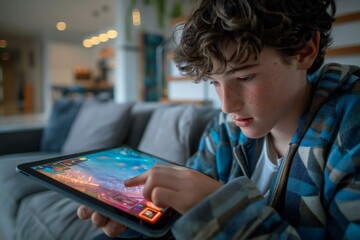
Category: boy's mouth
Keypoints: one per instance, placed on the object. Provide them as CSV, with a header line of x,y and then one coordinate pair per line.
x,y
242,122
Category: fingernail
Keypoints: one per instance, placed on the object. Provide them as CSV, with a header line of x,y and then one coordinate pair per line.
x,y
127,181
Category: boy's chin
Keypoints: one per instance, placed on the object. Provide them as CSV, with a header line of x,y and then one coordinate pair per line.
x,y
253,134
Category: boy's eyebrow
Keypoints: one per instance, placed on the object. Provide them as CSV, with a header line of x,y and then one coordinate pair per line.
x,y
234,70
231,71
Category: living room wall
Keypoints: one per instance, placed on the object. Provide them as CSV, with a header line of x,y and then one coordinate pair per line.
x,y
58,56
127,75
346,33
63,57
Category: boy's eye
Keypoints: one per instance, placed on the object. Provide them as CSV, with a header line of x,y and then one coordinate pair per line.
x,y
215,83
246,78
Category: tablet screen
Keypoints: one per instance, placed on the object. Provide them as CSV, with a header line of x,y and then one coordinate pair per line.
x,y
102,175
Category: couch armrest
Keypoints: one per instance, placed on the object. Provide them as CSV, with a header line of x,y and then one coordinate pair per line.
x,y
20,140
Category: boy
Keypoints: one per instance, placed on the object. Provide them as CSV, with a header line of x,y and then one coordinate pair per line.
x,y
283,160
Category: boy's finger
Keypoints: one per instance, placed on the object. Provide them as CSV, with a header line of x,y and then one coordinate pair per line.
x,y
141,179
138,180
113,228
99,220
84,212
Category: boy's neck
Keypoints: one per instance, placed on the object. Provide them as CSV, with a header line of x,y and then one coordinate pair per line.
x,y
281,136
280,143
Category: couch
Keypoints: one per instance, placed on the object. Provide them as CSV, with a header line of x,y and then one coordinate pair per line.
x,y
31,211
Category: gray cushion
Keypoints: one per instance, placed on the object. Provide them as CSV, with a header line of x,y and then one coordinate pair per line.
x,y
173,133
140,115
57,129
98,125
39,219
14,187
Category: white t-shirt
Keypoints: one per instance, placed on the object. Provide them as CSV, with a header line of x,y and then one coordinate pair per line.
x,y
266,167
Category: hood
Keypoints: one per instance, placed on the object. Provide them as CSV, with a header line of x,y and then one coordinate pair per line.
x,y
328,81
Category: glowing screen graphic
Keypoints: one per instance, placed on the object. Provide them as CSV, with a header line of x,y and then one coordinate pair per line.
x,y
102,175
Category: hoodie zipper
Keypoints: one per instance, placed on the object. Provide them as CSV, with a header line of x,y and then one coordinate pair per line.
x,y
282,177
243,165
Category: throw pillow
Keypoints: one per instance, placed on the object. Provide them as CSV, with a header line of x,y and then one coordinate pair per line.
x,y
62,116
140,116
98,125
173,132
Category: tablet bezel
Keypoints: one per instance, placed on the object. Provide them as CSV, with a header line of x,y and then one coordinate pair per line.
x,y
160,228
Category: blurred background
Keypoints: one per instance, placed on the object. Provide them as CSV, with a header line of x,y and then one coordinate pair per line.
x,y
113,49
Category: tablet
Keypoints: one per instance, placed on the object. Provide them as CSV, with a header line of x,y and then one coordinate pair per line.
x,y
96,179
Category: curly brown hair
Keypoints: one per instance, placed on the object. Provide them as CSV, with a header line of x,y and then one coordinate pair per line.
x,y
284,25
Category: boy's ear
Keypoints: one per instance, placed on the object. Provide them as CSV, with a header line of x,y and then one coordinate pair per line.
x,y
308,53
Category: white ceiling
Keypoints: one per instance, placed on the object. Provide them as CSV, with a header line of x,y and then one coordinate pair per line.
x,y
24,18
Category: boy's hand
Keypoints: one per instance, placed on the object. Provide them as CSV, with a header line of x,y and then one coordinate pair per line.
x,y
174,186
109,226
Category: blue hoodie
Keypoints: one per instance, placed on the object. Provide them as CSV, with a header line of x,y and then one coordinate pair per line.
x,y
316,191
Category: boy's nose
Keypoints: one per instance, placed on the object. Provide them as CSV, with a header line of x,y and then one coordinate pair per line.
x,y
230,100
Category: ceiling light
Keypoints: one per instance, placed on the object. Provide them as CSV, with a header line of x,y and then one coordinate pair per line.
x,y
87,43
99,38
103,37
112,34
95,40
61,26
136,17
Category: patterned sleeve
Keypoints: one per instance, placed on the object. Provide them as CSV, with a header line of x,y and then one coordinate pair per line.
x,y
237,210
214,156
204,159
342,175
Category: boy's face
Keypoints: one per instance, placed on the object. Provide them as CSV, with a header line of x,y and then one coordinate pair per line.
x,y
263,96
